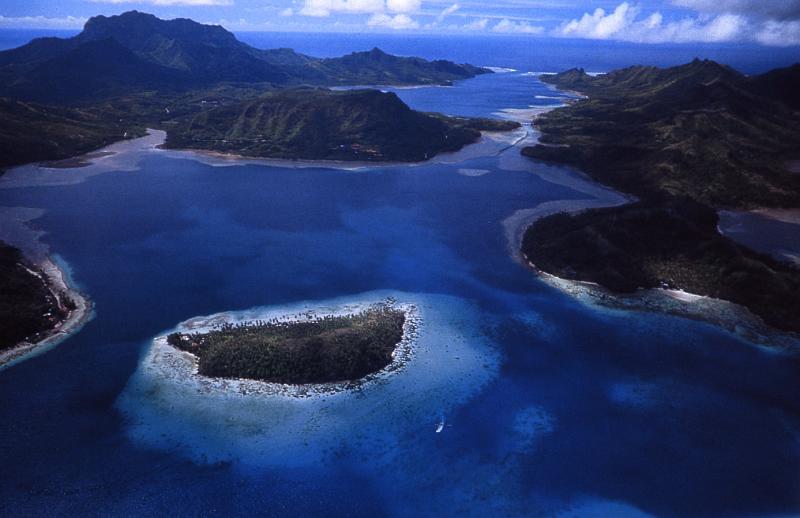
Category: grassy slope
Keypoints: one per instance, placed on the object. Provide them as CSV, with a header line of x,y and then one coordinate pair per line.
x,y
698,130
323,124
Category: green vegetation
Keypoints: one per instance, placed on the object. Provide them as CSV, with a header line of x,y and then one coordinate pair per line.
x,y
670,243
700,130
323,124
27,306
684,140
322,350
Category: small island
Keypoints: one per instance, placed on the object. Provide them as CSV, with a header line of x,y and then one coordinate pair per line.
x,y
324,349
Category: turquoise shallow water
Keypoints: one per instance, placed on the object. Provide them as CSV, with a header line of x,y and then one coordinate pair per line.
x,y
552,407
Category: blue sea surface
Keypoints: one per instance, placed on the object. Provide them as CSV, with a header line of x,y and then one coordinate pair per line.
x,y
585,412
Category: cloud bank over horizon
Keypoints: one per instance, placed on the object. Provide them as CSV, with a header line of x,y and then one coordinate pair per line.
x,y
770,23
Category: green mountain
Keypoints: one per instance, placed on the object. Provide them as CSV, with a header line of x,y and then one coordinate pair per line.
x,y
316,123
700,130
135,52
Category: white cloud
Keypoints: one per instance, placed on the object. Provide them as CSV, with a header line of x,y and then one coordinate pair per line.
x,y
774,9
477,25
446,12
326,7
321,8
624,23
771,22
167,2
397,22
507,26
287,12
779,34
41,22
403,6
600,25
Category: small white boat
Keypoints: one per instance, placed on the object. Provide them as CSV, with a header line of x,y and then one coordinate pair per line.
x,y
440,426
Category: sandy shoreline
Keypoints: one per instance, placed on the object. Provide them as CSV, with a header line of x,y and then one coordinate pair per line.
x,y
726,315
62,288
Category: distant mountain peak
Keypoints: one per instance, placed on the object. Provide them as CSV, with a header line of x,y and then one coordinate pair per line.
x,y
136,29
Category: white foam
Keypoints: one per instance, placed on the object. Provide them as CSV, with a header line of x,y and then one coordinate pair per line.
x,y
473,172
501,70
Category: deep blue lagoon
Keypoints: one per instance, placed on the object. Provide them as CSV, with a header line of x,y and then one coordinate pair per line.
x,y
576,411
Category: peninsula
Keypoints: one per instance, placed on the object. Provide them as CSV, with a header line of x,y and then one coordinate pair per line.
x,y
38,305
686,141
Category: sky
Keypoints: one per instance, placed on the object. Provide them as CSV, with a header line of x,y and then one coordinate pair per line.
x,y
760,22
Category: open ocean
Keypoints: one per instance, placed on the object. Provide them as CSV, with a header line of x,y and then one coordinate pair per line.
x,y
553,407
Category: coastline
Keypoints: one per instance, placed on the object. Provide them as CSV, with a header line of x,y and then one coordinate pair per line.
x,y
125,155
729,316
724,314
62,287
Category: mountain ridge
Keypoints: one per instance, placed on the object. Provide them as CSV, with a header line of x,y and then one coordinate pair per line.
x,y
700,130
181,54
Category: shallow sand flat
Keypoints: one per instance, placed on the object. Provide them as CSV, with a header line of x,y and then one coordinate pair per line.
x,y
785,215
120,156
126,155
16,230
445,362
771,231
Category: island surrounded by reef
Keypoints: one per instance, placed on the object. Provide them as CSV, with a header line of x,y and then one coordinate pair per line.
x,y
325,349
